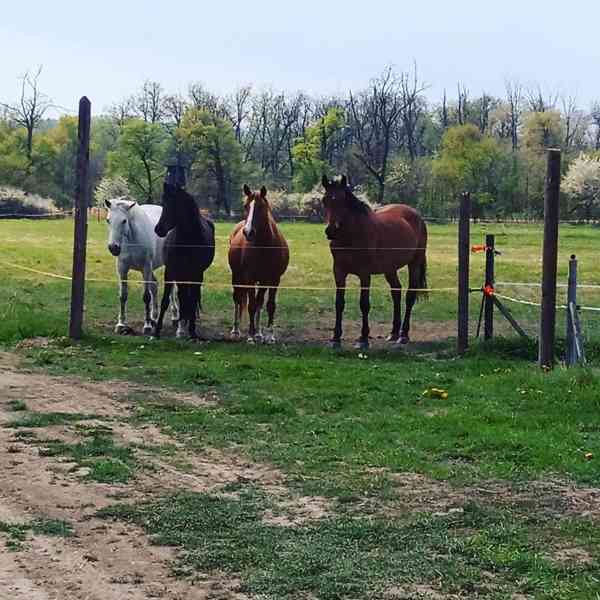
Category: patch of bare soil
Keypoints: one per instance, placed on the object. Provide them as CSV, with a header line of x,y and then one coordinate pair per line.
x,y
106,561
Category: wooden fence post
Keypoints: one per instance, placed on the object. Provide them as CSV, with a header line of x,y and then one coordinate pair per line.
x,y
550,260
81,213
488,319
464,239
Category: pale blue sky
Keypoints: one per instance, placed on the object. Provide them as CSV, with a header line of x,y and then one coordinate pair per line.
x,y
319,46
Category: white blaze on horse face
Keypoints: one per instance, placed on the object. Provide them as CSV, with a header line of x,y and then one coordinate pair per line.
x,y
118,225
250,219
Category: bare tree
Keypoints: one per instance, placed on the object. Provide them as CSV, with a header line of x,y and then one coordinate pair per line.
x,y
30,109
174,106
540,100
575,122
413,106
149,103
514,98
121,112
374,115
462,109
238,109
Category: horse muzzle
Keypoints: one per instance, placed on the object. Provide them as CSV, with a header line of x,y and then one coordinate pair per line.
x,y
331,231
114,249
159,231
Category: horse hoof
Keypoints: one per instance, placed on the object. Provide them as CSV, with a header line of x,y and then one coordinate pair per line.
x,y
121,328
335,344
148,329
259,338
235,334
180,334
403,340
270,339
392,337
250,340
362,345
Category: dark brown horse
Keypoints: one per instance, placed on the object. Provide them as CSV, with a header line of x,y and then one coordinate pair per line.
x,y
367,242
258,256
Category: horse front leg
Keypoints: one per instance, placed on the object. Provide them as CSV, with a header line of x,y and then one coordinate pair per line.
x,y
271,306
195,295
340,304
148,289
365,307
260,299
183,301
175,312
251,314
121,326
239,299
164,305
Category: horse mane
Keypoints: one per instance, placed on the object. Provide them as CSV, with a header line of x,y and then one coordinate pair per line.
x,y
193,213
356,205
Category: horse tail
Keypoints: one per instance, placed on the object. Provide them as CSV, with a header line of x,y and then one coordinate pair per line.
x,y
418,268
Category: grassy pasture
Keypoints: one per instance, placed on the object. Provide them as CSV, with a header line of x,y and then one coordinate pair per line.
x,y
347,427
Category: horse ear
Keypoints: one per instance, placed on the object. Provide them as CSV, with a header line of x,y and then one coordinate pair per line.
x,y
263,192
247,190
325,181
131,205
108,204
344,181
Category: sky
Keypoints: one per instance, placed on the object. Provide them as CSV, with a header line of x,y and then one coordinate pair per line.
x,y
321,47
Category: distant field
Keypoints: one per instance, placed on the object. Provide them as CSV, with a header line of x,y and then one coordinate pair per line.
x,y
41,304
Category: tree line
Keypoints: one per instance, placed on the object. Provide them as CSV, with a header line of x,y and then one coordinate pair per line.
x,y
396,144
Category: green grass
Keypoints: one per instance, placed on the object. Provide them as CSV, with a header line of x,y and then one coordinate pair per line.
x,y
476,551
16,405
107,462
37,419
16,533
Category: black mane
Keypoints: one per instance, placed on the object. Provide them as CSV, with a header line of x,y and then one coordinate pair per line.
x,y
356,205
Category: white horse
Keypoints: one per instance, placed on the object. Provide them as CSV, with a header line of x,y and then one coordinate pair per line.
x,y
132,240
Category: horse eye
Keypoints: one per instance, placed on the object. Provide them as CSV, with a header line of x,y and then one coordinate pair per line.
x,y
124,221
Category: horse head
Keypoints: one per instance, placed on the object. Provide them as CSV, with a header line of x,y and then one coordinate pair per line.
x,y
178,209
339,203
256,210
118,222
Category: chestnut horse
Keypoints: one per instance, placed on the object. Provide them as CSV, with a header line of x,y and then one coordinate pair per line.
x,y
367,242
258,256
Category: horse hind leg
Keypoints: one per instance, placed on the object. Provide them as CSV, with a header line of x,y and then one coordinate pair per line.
x,y
396,293
417,281
175,313
183,301
365,307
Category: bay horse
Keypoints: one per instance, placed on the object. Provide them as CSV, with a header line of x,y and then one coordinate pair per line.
x,y
366,242
189,251
135,245
258,256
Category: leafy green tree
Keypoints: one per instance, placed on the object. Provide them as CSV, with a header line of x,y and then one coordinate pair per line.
x,y
468,161
214,154
311,153
140,158
14,164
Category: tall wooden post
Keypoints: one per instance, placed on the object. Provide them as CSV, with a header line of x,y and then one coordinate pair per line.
x,y
550,260
464,239
571,357
488,315
81,213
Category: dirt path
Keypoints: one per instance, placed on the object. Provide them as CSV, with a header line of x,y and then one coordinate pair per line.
x,y
102,561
